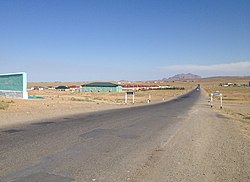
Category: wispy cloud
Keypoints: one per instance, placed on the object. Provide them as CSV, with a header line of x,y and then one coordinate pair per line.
x,y
229,69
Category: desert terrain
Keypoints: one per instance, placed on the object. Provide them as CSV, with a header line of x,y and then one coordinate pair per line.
x,y
57,103
180,140
236,100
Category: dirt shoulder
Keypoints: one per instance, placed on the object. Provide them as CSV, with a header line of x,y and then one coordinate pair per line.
x,y
236,97
236,105
207,147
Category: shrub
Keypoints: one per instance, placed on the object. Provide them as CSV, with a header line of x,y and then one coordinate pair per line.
x,y
3,105
10,102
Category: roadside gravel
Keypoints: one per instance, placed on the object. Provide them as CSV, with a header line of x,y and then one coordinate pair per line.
x,y
207,147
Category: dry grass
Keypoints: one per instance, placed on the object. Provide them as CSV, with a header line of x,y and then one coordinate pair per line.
x,y
3,105
56,103
236,100
61,103
54,96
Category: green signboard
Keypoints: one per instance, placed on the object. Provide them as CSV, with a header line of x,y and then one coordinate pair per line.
x,y
11,82
13,85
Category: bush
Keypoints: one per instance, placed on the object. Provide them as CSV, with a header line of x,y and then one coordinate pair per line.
x,y
10,102
80,99
3,105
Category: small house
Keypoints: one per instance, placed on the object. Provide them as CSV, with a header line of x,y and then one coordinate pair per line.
x,y
62,88
74,88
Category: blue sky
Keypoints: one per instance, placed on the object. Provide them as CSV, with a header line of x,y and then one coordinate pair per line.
x,y
85,40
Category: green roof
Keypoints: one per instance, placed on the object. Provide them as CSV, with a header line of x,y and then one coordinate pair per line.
x,y
62,87
100,84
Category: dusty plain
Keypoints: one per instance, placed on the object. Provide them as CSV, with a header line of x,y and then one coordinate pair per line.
x,y
64,103
181,140
236,100
188,140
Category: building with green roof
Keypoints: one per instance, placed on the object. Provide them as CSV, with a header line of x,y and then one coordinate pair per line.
x,y
101,87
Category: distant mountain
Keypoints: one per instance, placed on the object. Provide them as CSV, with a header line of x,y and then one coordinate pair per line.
x,y
188,76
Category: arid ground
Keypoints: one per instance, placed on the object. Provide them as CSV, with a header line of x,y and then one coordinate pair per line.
x,y
236,100
180,140
62,103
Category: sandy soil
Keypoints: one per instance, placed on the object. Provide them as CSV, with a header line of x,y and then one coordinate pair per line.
x,y
236,100
64,103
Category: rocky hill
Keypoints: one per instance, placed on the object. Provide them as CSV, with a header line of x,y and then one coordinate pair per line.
x,y
188,76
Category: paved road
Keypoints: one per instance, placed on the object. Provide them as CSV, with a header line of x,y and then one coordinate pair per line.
x,y
161,142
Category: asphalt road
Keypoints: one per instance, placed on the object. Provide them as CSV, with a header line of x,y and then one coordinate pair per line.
x,y
131,144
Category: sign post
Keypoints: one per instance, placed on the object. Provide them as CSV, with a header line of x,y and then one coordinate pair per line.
x,y
221,101
216,94
126,96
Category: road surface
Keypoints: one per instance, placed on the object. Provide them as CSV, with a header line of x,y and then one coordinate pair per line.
x,y
180,140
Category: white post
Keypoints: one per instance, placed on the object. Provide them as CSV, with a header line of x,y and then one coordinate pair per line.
x,y
221,101
211,100
126,98
149,98
133,97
